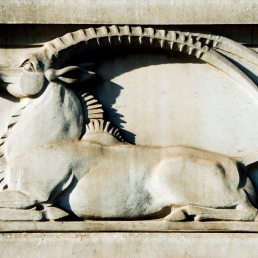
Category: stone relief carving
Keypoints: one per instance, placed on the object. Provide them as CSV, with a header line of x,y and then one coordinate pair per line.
x,y
60,157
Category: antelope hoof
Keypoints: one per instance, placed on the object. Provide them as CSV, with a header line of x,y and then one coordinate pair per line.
x,y
176,215
198,218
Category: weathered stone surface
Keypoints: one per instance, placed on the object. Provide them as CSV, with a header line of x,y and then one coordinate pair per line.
x,y
58,148
180,83
127,226
133,12
147,133
128,245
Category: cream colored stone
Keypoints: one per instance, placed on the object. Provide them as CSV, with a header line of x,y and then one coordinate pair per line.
x,y
58,149
171,94
129,245
160,131
129,12
127,226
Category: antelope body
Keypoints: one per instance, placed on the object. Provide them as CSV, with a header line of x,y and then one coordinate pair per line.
x,y
130,182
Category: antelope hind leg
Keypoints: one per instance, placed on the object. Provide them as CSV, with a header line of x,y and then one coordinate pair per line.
x,y
222,214
176,215
201,213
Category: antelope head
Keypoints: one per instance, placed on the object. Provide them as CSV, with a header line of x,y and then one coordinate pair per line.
x,y
30,77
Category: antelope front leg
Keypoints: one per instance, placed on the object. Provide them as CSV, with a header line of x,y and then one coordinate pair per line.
x,y
14,199
15,205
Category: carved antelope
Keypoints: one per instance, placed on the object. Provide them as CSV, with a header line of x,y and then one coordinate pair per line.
x,y
51,161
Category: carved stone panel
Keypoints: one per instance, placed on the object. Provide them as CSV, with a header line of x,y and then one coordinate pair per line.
x,y
129,123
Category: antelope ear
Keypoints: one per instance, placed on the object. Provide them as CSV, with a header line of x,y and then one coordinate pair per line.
x,y
69,74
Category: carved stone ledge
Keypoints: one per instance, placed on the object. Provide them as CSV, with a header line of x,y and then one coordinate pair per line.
x,y
128,244
128,226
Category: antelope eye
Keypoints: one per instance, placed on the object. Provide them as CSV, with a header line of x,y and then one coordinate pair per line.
x,y
28,66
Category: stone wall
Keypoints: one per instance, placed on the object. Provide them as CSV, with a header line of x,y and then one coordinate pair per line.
x,y
128,128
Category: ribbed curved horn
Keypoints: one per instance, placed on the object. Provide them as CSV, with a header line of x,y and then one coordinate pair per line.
x,y
190,43
58,51
122,36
